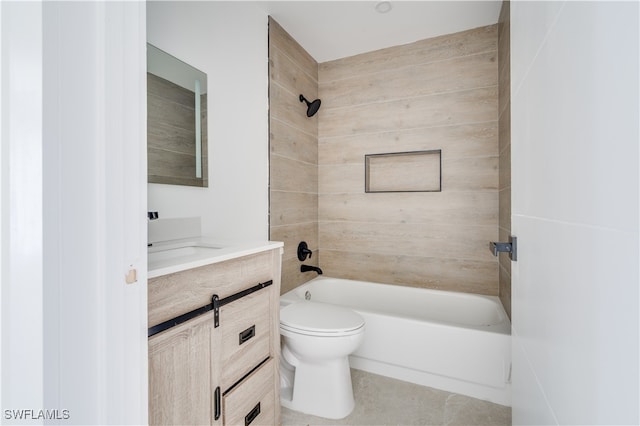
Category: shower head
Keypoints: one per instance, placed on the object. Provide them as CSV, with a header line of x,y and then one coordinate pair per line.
x,y
312,107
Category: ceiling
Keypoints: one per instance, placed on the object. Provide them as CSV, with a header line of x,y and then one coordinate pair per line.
x,y
331,30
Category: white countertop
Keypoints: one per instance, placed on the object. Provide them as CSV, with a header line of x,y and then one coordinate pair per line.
x,y
224,251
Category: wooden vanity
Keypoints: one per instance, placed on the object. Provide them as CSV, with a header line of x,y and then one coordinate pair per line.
x,y
214,342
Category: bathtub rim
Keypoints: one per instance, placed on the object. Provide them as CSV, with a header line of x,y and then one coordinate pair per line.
x,y
502,327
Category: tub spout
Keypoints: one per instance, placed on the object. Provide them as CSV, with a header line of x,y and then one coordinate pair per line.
x,y
307,268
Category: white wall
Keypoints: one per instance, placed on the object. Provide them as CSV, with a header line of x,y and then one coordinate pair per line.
x,y
575,211
73,196
228,41
21,221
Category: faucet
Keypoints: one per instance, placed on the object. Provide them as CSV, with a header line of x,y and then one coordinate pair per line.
x,y
307,268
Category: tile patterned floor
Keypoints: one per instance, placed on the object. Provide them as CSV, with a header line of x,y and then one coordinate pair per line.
x,y
385,401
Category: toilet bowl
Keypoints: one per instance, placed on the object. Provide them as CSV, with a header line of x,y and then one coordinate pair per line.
x,y
317,339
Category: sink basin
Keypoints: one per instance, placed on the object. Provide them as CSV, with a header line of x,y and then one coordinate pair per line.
x,y
185,251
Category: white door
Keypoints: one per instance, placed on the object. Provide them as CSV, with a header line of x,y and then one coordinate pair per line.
x,y
73,225
575,212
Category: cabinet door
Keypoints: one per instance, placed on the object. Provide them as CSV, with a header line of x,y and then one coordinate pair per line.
x,y
181,374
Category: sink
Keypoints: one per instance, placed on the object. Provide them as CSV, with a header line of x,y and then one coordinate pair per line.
x,y
183,251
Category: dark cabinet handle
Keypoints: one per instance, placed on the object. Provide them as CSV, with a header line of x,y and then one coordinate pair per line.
x,y
217,406
247,334
252,415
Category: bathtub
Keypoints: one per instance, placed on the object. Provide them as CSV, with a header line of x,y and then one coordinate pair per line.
x,y
457,342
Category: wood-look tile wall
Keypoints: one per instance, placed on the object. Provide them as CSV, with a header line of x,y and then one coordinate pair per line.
x,y
504,119
439,93
293,215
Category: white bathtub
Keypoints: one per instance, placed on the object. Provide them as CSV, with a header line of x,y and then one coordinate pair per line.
x,y
457,342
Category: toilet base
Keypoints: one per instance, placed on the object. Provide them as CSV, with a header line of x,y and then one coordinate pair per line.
x,y
322,390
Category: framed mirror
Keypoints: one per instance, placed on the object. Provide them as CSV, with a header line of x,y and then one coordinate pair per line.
x,y
176,121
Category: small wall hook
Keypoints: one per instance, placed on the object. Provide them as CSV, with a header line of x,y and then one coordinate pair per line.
x,y
511,247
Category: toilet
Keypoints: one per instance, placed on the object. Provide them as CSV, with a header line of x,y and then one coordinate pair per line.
x,y
317,339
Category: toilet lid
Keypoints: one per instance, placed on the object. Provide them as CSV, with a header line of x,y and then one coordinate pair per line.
x,y
319,318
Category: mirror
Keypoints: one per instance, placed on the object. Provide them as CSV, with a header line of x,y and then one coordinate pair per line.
x,y
176,121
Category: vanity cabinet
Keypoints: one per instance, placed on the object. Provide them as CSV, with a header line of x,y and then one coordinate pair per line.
x,y
214,343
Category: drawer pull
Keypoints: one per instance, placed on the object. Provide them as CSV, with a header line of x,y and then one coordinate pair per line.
x,y
247,334
252,415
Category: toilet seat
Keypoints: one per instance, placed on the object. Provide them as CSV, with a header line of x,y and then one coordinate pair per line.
x,y
320,319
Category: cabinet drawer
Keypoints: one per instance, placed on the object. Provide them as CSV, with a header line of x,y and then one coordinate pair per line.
x,y
246,334
252,402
